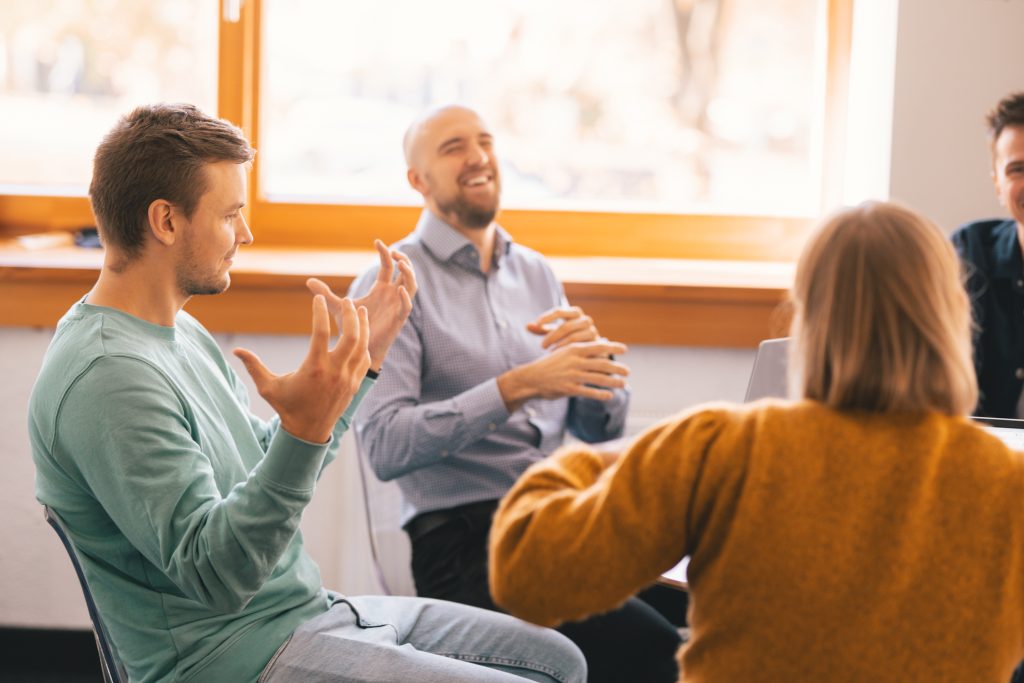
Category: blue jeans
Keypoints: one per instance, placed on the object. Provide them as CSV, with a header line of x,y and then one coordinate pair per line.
x,y
630,643
378,639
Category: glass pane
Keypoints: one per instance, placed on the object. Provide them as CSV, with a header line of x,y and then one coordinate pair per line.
x,y
69,68
662,105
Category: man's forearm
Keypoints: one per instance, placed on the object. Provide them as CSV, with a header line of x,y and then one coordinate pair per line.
x,y
401,438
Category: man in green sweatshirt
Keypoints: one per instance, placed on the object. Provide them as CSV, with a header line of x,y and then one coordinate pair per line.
x,y
183,506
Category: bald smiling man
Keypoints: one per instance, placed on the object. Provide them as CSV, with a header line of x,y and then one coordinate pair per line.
x,y
484,380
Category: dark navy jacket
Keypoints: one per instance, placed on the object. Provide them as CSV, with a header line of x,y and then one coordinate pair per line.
x,y
995,281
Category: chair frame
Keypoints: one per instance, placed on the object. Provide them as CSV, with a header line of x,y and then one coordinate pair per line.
x,y
110,664
395,585
375,552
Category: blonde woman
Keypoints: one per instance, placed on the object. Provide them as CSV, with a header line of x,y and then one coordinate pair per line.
x,y
865,532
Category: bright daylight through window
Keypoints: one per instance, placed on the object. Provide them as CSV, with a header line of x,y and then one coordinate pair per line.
x,y
686,106
69,68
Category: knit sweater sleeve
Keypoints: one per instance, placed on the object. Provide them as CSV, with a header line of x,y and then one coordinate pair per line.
x,y
134,443
575,537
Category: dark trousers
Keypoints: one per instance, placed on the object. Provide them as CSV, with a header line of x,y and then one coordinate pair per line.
x,y
632,643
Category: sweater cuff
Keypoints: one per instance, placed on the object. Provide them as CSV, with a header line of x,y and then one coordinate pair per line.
x,y
291,462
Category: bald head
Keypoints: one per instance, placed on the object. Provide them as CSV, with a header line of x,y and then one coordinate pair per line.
x,y
450,156
418,132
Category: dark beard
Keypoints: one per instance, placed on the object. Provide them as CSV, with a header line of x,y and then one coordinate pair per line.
x,y
470,215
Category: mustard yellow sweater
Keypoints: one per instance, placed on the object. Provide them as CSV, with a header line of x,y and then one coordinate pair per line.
x,y
825,546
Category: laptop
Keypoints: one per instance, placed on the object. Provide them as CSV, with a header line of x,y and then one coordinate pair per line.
x,y
768,378
1011,432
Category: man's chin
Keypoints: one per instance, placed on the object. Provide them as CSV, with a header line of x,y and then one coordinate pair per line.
x,y
209,288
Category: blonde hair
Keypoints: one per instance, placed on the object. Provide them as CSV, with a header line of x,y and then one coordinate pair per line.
x,y
882,321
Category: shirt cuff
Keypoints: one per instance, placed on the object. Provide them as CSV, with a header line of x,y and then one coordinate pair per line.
x,y
482,404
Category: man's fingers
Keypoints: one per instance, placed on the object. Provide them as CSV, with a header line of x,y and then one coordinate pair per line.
x,y
348,326
562,313
577,337
591,392
401,257
407,275
604,380
604,365
558,322
362,338
601,347
261,376
317,286
582,329
321,335
406,300
608,348
320,287
387,265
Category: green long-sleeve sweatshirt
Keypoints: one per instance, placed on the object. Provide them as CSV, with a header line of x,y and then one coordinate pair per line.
x,y
824,546
184,507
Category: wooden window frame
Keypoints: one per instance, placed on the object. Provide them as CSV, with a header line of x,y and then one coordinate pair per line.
x,y
563,233
577,235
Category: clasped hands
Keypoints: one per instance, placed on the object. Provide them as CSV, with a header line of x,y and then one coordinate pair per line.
x,y
579,362
310,399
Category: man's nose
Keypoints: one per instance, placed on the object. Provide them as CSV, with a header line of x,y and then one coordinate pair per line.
x,y
242,232
478,156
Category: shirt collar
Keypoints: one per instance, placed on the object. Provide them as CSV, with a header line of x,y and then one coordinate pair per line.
x,y
445,242
1006,252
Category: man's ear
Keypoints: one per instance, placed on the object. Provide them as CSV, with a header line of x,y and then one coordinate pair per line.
x,y
161,218
416,181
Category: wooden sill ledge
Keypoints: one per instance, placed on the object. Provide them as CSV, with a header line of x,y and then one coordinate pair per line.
x,y
639,301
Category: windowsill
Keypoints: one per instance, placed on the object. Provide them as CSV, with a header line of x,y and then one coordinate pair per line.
x,y
634,300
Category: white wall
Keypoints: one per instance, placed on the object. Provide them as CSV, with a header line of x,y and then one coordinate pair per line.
x,y
37,585
954,60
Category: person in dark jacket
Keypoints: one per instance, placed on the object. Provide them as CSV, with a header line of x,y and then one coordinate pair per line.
x,y
991,252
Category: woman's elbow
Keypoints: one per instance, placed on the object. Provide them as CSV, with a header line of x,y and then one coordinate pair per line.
x,y
514,587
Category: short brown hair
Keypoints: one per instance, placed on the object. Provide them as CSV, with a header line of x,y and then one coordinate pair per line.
x,y
157,152
882,320
1009,112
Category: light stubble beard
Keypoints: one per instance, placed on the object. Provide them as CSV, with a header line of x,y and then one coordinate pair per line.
x,y
191,285
191,282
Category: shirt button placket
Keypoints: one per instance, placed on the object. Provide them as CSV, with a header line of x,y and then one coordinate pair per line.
x,y
501,321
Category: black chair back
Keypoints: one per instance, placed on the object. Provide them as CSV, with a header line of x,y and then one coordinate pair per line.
x,y
113,671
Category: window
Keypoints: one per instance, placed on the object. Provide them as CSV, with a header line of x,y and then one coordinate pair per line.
x,y
673,128
69,69
683,106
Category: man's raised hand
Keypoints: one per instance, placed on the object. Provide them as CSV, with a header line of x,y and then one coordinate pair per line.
x,y
388,303
310,400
